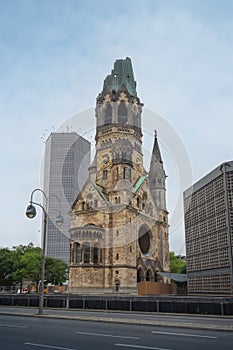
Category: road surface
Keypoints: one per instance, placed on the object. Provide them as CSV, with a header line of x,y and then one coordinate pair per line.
x,y
36,333
155,319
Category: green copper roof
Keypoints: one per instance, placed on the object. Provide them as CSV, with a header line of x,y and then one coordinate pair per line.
x,y
121,76
139,183
100,192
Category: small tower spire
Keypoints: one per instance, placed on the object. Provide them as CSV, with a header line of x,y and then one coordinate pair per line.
x,y
156,155
157,176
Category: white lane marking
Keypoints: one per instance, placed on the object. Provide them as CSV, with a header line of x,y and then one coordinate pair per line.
x,y
107,335
12,325
186,334
140,346
48,346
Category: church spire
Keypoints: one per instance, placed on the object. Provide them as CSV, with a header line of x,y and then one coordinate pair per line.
x,y
157,176
156,155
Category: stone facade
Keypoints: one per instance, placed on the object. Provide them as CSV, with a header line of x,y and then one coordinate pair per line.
x,y
119,221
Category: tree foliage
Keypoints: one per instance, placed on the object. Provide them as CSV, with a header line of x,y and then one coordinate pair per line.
x,y
6,267
18,252
24,263
177,265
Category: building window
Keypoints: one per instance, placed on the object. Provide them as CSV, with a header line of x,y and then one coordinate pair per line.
x,y
124,173
108,114
129,174
89,204
78,253
105,174
100,252
117,200
86,252
95,255
117,256
122,113
83,205
71,254
117,286
117,174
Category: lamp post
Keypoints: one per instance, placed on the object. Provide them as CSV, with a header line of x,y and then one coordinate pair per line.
x,y
31,213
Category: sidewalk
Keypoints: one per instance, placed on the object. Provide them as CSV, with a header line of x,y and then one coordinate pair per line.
x,y
220,323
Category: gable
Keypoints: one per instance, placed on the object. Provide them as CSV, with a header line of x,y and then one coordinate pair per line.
x,y
89,189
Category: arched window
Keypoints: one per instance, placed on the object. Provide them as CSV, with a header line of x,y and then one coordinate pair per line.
x,y
71,254
78,253
83,205
140,275
137,120
148,276
95,254
117,200
108,114
100,254
122,113
117,286
86,252
129,174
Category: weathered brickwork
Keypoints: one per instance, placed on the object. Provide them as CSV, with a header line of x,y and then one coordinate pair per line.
x,y
119,221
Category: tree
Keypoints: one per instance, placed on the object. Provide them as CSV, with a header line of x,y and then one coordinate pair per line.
x,y
31,265
176,264
6,267
55,270
18,252
31,261
24,262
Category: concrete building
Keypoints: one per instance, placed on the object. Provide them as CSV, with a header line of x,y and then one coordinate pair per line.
x,y
119,221
66,162
208,210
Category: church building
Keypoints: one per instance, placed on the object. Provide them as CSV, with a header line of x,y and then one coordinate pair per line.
x,y
119,220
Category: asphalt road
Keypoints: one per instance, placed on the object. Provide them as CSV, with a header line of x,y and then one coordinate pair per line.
x,y
156,319
34,333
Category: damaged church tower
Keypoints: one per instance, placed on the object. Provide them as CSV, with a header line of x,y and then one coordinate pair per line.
x,y
119,221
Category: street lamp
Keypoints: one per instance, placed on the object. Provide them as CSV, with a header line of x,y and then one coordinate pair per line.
x,y
31,213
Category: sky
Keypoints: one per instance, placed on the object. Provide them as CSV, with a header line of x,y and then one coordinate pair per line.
x,y
54,57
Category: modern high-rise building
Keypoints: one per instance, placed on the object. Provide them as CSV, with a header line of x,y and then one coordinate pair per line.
x,y
119,221
66,162
208,211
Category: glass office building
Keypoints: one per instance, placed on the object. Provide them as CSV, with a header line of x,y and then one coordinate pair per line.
x,y
66,163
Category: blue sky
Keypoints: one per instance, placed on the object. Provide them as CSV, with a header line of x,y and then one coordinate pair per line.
x,y
55,56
